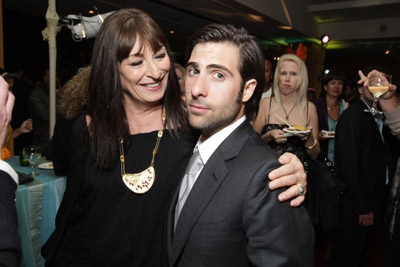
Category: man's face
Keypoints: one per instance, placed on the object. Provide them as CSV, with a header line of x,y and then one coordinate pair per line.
x,y
268,72
213,87
366,94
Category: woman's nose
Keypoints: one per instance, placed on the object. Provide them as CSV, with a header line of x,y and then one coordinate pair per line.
x,y
153,70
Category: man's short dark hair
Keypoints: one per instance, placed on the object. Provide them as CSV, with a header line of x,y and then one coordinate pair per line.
x,y
251,63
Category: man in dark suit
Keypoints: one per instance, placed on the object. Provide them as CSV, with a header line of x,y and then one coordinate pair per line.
x,y
10,244
364,163
224,214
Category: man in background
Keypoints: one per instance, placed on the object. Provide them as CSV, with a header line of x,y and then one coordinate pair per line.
x,y
269,74
364,162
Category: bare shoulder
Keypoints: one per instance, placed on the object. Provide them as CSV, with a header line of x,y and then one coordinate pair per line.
x,y
312,109
312,106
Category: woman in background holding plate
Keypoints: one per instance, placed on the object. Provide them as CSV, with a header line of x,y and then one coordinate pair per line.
x,y
329,107
289,106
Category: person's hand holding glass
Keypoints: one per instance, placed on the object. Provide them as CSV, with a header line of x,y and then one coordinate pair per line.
x,y
378,84
32,154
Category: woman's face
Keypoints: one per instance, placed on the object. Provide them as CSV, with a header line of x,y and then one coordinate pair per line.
x,y
144,74
288,77
334,88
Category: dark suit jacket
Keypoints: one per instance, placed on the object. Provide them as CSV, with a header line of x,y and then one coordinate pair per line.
x,y
231,218
10,244
361,158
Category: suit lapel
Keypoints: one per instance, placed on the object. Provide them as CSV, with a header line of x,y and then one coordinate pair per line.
x,y
206,185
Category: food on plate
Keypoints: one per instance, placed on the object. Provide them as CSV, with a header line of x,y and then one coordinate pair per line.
x,y
328,133
296,127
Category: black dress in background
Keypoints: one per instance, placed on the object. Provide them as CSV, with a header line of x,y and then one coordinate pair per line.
x,y
293,145
100,221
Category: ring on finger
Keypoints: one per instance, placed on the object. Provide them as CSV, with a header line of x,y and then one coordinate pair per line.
x,y
301,190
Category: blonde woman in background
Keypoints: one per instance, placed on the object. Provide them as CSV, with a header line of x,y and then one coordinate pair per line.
x,y
289,104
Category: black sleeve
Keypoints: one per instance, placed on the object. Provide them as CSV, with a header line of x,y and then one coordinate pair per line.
x,y
10,243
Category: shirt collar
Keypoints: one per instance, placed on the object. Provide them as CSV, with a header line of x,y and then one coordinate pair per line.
x,y
365,102
207,148
4,166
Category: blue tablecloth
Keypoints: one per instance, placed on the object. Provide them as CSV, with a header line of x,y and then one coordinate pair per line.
x,y
37,204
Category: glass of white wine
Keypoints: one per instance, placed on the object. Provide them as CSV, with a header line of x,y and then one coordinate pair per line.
x,y
32,154
378,84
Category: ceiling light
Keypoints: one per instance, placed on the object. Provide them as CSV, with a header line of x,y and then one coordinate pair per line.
x,y
387,52
325,39
256,18
285,27
171,32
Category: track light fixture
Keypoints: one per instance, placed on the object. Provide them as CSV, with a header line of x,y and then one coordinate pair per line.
x,y
325,39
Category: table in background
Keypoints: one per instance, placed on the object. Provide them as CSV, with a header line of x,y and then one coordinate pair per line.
x,y
37,204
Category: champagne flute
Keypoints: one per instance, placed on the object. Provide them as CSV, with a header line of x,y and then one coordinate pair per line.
x,y
378,84
32,154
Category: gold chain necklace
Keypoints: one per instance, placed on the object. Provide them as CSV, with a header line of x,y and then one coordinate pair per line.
x,y
335,107
141,182
287,114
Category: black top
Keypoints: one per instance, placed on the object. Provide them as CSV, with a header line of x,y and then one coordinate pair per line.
x,y
10,243
105,223
293,145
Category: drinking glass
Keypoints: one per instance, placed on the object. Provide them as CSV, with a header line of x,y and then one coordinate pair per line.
x,y
32,154
378,84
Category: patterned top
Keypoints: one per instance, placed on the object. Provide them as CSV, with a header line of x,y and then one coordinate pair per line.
x,y
293,145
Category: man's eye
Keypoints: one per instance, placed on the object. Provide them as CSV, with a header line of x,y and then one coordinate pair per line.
x,y
192,71
218,75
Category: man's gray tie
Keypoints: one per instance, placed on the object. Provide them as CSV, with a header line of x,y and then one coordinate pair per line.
x,y
195,164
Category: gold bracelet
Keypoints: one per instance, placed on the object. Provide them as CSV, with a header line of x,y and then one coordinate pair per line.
x,y
313,145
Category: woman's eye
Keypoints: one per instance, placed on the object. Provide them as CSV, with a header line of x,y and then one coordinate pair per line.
x,y
136,63
160,56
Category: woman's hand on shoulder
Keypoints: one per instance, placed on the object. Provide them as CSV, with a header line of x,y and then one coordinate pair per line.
x,y
291,174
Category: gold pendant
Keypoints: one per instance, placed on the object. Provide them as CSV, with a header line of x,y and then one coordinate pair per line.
x,y
140,183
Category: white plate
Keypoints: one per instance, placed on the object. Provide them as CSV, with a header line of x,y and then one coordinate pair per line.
x,y
328,134
287,134
46,165
295,132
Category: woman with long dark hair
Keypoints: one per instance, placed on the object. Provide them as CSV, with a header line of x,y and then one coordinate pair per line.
x,y
329,107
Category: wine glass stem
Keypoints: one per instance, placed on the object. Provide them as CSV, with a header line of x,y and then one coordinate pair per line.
x,y
375,103
33,169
